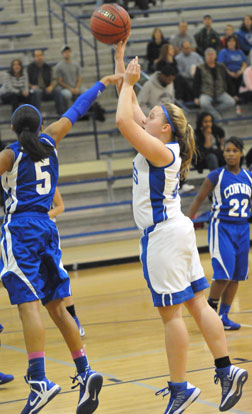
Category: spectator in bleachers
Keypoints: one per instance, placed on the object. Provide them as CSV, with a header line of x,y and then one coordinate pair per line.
x,y
153,48
182,36
245,35
167,56
246,88
229,30
235,62
159,89
69,79
210,86
209,139
15,90
167,53
42,85
187,62
68,76
207,37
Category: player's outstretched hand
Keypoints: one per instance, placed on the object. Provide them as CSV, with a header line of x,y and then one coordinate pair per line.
x,y
133,72
112,79
120,48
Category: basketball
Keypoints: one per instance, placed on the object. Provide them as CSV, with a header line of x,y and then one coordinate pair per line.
x,y
110,23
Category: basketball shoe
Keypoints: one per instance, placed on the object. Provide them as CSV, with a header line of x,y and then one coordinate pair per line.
x,y
182,395
90,385
232,380
41,393
4,378
228,324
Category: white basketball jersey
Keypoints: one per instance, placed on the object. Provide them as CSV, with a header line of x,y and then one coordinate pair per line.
x,y
155,189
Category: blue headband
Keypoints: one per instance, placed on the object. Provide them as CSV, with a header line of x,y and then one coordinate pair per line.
x,y
30,106
168,118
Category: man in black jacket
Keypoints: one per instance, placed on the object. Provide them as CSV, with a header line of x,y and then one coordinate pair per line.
x,y
42,85
207,37
210,86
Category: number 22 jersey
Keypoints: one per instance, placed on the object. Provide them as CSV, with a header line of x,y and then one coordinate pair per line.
x,y
231,195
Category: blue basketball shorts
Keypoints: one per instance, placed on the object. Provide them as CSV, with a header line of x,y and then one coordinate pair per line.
x,y
30,264
229,250
171,263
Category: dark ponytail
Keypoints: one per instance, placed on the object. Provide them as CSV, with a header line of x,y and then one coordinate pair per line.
x,y
26,122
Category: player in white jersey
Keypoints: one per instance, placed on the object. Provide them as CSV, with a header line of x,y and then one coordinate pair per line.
x,y
228,233
171,265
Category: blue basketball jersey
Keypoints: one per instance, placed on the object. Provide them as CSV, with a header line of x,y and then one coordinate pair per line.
x,y
231,195
30,186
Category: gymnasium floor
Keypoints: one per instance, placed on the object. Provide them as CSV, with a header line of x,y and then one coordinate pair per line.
x,y
124,341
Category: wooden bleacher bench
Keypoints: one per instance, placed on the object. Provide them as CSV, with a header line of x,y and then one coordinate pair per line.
x,y
23,50
7,22
12,36
79,3
94,169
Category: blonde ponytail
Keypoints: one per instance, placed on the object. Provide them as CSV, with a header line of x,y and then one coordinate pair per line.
x,y
184,134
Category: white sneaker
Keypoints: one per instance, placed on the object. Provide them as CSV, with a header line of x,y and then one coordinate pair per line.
x,y
186,188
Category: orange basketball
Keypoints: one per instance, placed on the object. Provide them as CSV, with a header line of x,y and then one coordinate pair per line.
x,y
110,23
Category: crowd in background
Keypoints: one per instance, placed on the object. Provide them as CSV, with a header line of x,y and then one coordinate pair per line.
x,y
207,71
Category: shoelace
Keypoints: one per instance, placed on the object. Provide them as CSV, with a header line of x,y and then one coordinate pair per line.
x,y
74,379
224,383
165,391
216,379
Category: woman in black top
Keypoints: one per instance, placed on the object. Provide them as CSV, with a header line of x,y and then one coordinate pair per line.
x,y
153,48
209,143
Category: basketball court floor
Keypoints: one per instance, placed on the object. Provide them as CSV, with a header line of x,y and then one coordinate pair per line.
x,y
124,341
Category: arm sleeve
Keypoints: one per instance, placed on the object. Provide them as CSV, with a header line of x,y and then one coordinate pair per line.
x,y
83,103
213,176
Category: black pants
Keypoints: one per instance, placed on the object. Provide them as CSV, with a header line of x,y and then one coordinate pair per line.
x,y
15,99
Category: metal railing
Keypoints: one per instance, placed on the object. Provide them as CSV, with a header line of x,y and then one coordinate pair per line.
x,y
35,14
77,30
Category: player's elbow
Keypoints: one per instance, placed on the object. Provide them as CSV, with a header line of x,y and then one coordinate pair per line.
x,y
121,123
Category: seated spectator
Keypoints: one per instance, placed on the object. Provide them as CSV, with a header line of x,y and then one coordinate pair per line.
x,y
245,35
166,56
153,48
42,85
235,62
187,61
15,90
245,91
68,77
207,37
159,89
229,30
182,36
209,143
167,53
210,86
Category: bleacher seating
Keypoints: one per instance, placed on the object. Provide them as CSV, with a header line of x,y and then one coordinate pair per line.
x,y
97,193
21,51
